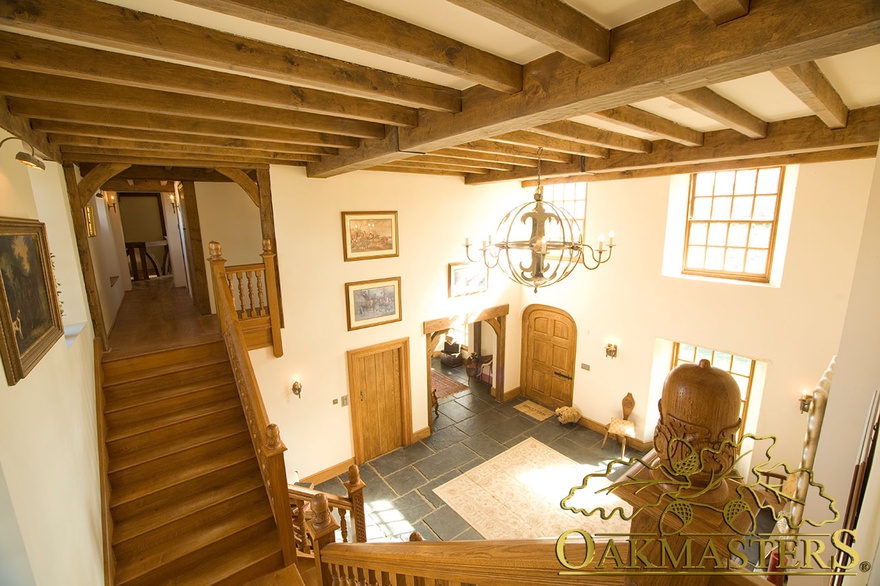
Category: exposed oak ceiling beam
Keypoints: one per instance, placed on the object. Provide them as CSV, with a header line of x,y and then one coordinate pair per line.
x,y
41,56
156,161
487,146
147,150
361,28
139,186
784,137
721,11
531,139
566,129
165,173
711,105
809,84
636,119
475,156
775,33
163,38
550,22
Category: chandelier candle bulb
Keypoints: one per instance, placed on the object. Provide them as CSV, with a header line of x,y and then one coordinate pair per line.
x,y
611,239
467,240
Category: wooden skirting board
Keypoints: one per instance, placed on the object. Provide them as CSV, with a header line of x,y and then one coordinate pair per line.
x,y
510,394
328,473
421,434
635,443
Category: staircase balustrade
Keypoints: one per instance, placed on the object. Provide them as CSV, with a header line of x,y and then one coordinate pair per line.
x,y
254,296
265,436
351,507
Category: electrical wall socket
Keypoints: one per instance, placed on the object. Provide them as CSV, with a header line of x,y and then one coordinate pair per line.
x,y
344,400
585,366
336,401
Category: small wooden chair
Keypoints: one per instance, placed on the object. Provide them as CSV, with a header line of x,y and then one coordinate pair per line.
x,y
622,428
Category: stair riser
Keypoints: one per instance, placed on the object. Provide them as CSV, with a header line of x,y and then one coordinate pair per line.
x,y
134,415
181,570
198,499
177,535
123,399
142,390
142,458
165,472
163,500
117,370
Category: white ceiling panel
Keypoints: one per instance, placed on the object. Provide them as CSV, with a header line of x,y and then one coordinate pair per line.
x,y
606,125
764,96
684,116
855,76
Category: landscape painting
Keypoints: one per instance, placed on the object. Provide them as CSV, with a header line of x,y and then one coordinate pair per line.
x,y
30,318
372,303
368,235
466,278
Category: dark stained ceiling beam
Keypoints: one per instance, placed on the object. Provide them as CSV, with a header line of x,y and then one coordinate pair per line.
x,y
354,26
775,34
550,22
809,84
711,105
163,38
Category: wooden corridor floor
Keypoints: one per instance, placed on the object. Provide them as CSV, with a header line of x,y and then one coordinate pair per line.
x,y
155,315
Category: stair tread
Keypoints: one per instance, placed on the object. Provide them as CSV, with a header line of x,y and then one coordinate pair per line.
x,y
158,395
132,562
156,451
152,518
160,371
111,358
162,473
171,417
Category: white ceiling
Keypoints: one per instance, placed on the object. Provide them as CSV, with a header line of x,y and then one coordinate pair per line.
x,y
856,75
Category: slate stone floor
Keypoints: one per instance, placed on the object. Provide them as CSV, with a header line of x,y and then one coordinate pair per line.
x,y
471,428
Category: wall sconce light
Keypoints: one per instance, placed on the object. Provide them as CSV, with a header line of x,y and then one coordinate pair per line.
x,y
31,160
805,401
297,388
611,350
173,199
111,201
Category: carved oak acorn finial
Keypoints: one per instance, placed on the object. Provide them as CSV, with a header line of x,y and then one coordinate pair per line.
x,y
699,411
273,436
267,246
215,250
354,474
320,510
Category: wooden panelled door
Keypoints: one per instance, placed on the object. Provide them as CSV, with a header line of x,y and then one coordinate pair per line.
x,y
379,387
548,355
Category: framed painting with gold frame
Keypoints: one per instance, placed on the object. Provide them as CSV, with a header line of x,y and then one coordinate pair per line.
x,y
372,303
30,317
368,235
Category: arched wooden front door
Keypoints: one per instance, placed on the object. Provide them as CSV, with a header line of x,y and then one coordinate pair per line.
x,y
549,343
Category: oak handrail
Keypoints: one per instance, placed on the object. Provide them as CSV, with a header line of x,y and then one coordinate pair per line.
x,y
353,504
265,436
103,467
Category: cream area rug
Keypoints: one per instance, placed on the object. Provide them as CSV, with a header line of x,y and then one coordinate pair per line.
x,y
534,410
516,495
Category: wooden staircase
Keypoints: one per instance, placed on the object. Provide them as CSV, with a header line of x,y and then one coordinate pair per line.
x,y
186,497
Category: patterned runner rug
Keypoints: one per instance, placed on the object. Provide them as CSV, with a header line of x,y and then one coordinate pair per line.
x,y
516,495
445,385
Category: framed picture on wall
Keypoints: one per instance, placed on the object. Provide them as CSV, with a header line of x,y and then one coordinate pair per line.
x,y
367,235
467,278
372,303
30,318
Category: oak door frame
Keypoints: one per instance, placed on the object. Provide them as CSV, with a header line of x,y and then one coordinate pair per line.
x,y
434,329
525,339
402,347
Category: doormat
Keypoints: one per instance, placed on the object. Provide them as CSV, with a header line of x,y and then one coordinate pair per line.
x,y
516,495
445,385
534,410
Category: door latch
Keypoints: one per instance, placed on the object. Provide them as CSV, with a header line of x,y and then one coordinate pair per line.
x,y
565,376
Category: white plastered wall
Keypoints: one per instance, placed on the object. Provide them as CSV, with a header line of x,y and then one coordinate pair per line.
x,y
434,214
48,446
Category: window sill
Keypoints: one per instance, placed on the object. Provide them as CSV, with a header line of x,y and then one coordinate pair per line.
x,y
705,279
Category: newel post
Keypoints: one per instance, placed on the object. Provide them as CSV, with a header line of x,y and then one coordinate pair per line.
x,y
218,272
272,296
280,499
322,528
355,487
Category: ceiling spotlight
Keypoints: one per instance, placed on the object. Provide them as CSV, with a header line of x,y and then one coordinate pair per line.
x,y
31,160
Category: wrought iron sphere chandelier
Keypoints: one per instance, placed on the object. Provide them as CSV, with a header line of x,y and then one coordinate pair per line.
x,y
538,244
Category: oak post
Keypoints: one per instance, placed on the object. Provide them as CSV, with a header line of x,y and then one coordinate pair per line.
x,y
355,487
322,528
272,292
193,246
280,499
267,226
85,256
218,273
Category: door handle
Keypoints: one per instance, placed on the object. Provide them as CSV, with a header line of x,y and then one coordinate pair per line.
x,y
565,376
362,394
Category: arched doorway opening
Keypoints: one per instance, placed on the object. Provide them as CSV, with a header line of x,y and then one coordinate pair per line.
x,y
549,345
